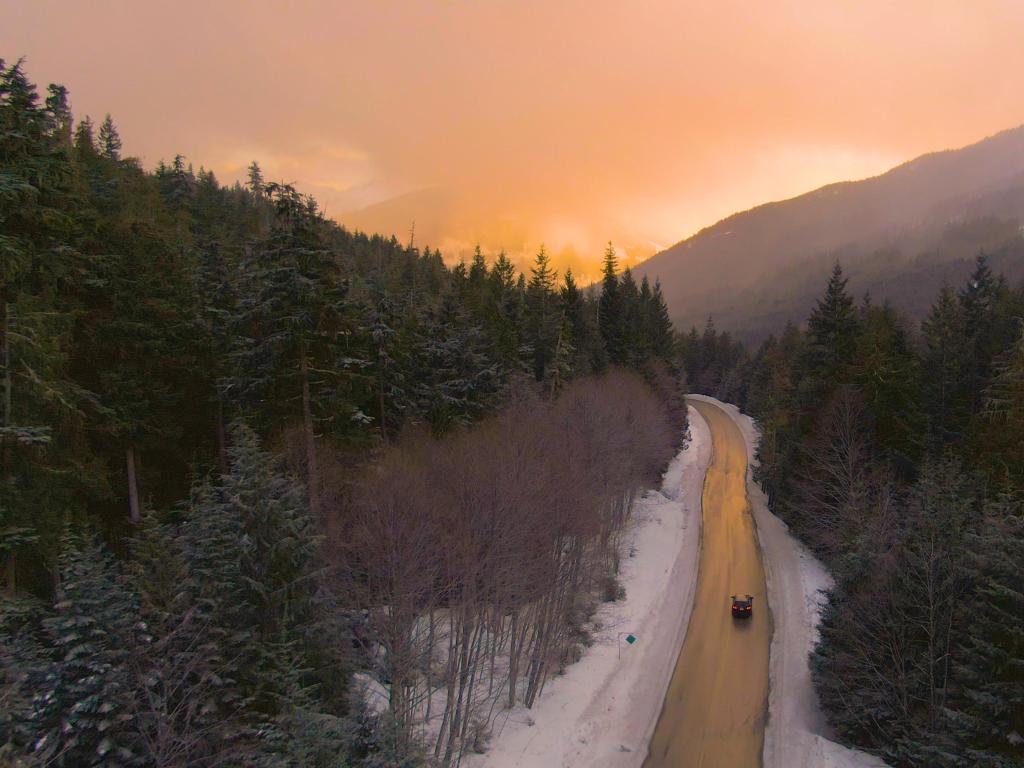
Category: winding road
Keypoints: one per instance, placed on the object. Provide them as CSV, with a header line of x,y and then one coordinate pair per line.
x,y
715,709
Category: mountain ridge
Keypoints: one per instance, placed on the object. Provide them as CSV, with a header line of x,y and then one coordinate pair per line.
x,y
910,210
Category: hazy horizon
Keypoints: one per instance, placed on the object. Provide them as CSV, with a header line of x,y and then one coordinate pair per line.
x,y
492,123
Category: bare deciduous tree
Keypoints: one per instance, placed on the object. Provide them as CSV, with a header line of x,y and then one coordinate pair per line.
x,y
476,560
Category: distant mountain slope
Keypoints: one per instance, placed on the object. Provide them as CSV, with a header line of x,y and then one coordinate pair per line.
x,y
899,233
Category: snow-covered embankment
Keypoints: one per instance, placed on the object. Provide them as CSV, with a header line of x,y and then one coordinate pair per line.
x,y
602,712
796,583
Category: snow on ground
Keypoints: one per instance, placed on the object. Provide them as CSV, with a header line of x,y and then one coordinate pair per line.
x,y
603,710
795,735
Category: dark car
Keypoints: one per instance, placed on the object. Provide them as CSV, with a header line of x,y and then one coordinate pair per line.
x,y
742,609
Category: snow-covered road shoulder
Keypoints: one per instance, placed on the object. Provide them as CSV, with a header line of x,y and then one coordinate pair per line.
x,y
602,712
796,580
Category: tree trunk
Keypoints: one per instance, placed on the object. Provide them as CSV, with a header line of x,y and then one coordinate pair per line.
x,y
474,665
134,515
558,352
5,358
381,365
450,695
463,667
513,661
222,441
312,474
12,568
496,638
429,663
58,583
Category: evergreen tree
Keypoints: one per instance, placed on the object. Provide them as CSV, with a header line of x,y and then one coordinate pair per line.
x,y
256,184
645,316
136,345
505,320
832,485
24,666
978,296
186,712
250,542
690,354
572,302
460,276
944,395
38,268
177,182
478,270
662,335
708,369
85,140
631,326
772,401
453,377
86,703
545,321
931,586
887,377
832,327
987,710
34,194
380,320
294,310
978,300
611,316
1004,428
581,326
59,112
109,140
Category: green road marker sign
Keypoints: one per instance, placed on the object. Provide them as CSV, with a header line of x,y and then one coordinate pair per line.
x,y
630,639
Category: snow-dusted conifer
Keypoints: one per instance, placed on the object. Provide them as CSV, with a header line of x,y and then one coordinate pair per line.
x,y
85,705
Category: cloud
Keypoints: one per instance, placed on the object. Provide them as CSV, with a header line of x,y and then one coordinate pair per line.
x,y
511,124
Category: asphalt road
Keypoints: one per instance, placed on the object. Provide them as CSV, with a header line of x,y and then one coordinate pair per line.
x,y
714,711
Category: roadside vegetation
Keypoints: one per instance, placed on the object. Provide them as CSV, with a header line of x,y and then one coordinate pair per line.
x,y
277,493
477,564
895,450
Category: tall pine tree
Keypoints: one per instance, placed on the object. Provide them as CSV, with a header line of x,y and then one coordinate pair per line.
x,y
611,315
832,327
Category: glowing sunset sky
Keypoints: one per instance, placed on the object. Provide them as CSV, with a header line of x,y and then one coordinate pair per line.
x,y
516,123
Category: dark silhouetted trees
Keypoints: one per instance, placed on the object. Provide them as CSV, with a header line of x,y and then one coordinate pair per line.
x,y
883,448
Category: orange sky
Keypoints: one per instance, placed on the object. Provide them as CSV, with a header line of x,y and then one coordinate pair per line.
x,y
519,122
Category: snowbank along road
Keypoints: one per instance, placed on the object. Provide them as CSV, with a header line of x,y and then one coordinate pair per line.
x,y
796,733
603,711
714,712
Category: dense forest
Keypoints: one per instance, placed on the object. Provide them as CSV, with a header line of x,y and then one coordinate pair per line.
x,y
895,450
277,493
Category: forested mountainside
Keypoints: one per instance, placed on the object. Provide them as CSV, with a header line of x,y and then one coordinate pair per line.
x,y
895,450
254,466
899,236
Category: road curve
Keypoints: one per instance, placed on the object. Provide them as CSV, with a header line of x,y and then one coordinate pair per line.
x,y
715,709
